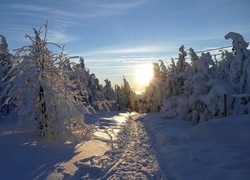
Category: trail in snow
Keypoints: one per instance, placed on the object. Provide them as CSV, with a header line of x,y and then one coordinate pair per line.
x,y
119,149
132,156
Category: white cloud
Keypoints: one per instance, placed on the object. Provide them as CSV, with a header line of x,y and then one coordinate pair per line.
x,y
82,9
59,37
117,6
66,12
138,49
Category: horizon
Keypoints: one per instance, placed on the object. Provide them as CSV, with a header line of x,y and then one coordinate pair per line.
x,y
115,38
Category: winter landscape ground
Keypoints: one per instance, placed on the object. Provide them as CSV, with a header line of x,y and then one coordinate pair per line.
x,y
131,146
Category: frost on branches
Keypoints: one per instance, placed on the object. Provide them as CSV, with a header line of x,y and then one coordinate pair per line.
x,y
45,93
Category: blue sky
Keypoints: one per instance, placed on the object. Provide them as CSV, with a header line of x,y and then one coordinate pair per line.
x,y
116,36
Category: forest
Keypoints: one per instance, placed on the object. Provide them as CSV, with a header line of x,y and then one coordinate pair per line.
x,y
51,93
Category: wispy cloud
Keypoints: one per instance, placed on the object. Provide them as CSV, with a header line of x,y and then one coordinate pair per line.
x,y
81,9
59,36
137,49
29,7
114,5
34,10
67,12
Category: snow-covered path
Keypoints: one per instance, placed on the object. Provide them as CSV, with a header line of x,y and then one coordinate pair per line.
x,y
137,160
132,156
119,149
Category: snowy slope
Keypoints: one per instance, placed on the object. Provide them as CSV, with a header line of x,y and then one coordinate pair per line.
x,y
217,149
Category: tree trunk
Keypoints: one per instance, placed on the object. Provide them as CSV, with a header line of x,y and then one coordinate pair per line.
x,y
42,123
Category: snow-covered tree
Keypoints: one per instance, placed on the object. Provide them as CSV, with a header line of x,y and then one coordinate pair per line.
x,y
239,68
5,65
108,90
197,85
118,97
127,95
94,89
90,88
41,89
232,78
154,93
175,102
239,72
5,56
81,76
110,95
163,71
196,91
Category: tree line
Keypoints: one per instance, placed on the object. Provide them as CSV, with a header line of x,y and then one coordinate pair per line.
x,y
195,90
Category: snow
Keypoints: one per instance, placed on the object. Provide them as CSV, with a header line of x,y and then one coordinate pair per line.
x,y
25,156
129,146
216,149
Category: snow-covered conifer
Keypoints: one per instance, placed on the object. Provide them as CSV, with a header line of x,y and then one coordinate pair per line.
x,y
5,65
197,92
240,65
186,87
118,96
108,90
164,71
81,75
239,72
198,85
155,92
175,87
126,96
42,91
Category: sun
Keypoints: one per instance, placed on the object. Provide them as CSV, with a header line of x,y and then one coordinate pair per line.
x,y
144,73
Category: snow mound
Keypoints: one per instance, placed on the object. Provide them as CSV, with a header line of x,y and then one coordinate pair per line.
x,y
217,149
225,130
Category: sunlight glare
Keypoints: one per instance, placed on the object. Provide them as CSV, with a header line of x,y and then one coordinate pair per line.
x,y
144,74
